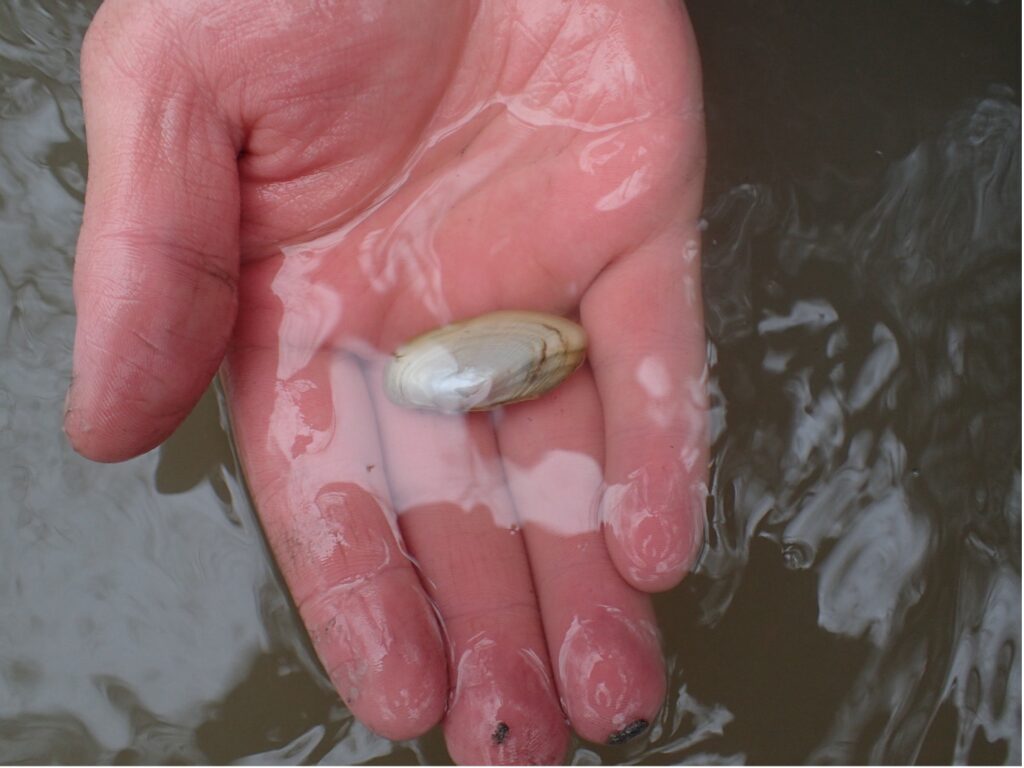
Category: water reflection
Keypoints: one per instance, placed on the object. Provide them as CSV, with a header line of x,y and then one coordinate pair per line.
x,y
850,448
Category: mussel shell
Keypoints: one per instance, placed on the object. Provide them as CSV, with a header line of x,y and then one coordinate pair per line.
x,y
488,361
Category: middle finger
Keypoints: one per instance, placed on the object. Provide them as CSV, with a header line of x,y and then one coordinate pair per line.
x,y
457,518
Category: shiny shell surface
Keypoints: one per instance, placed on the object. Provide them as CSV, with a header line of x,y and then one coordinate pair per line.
x,y
488,361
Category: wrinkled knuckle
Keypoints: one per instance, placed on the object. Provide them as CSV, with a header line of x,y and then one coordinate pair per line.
x,y
196,262
470,617
207,267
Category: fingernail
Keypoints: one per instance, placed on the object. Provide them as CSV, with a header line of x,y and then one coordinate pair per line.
x,y
628,733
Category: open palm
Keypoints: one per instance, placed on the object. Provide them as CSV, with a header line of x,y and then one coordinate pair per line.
x,y
297,187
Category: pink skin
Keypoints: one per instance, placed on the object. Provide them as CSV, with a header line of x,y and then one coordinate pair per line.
x,y
600,630
292,188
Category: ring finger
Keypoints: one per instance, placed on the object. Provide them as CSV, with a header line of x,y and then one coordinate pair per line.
x,y
601,632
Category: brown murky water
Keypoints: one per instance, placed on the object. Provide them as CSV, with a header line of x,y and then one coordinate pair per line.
x,y
860,598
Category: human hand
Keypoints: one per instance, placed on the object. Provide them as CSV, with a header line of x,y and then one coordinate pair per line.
x,y
293,188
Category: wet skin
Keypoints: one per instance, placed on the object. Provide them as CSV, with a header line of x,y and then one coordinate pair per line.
x,y
293,188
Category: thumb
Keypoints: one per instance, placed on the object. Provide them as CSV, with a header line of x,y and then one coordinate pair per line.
x,y
156,268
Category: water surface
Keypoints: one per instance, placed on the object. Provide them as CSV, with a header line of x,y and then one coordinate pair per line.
x,y
859,600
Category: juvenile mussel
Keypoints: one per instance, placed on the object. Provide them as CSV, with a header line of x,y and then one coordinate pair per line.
x,y
485,362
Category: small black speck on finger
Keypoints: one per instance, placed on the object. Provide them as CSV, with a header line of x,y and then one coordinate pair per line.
x,y
628,733
500,732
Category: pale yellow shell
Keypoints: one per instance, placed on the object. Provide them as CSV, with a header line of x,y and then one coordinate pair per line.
x,y
488,361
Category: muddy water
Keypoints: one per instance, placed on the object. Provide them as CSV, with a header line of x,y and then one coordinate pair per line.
x,y
859,600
